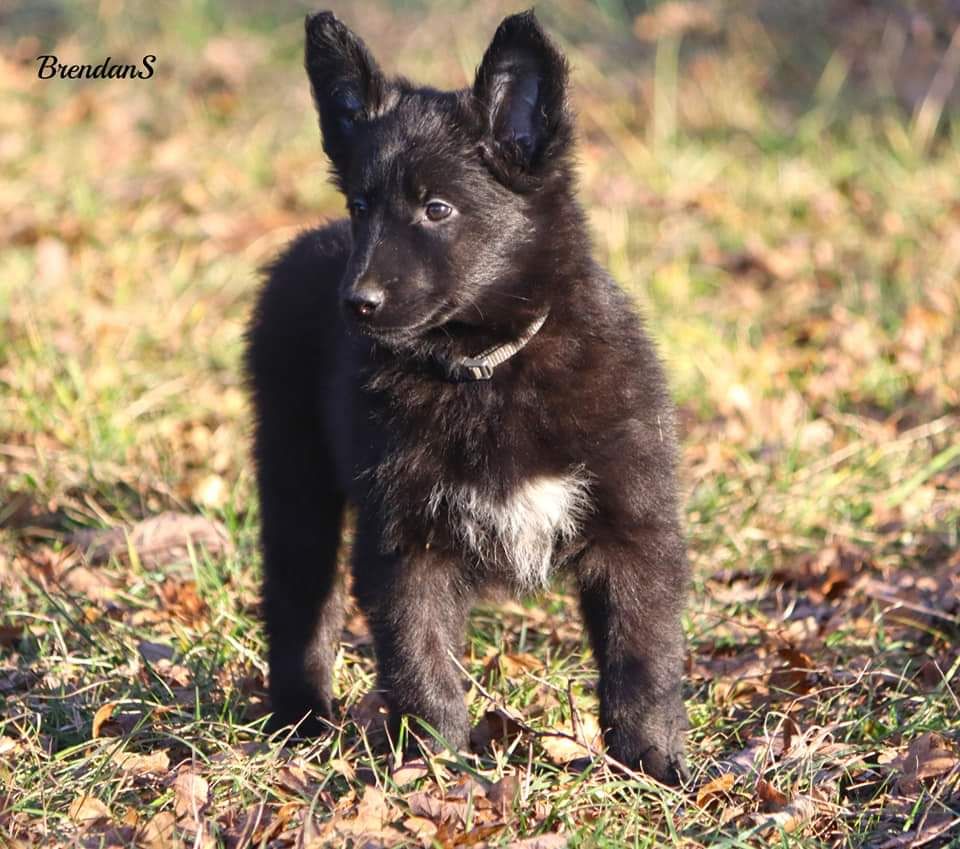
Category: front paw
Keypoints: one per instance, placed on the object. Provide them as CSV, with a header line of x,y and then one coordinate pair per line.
x,y
308,717
658,753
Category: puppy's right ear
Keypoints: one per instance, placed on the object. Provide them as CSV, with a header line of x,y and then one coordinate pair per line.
x,y
348,87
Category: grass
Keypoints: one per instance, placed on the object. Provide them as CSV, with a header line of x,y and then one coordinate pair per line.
x,y
777,191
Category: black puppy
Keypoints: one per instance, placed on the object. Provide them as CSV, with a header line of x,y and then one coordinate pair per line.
x,y
453,362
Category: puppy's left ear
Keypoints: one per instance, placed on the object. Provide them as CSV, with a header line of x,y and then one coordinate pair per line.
x,y
521,90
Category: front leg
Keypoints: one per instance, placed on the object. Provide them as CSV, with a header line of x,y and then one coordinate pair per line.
x,y
417,607
631,594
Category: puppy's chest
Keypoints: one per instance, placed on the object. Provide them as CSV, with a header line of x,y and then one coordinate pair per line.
x,y
519,532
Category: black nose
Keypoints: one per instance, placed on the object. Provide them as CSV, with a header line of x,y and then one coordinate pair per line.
x,y
365,301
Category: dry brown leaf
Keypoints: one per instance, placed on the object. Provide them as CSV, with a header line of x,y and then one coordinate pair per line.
x,y
503,794
370,713
248,827
510,666
175,674
103,714
744,687
191,792
105,835
295,779
121,723
771,798
182,600
92,584
373,812
158,540
365,827
342,767
792,817
561,750
478,834
410,771
465,787
495,726
421,827
929,756
796,676
87,809
159,832
542,841
134,763
715,788
424,804
937,824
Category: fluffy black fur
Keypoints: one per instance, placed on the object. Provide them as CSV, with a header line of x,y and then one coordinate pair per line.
x,y
345,359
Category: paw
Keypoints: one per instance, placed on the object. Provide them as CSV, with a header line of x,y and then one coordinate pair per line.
x,y
668,766
306,718
658,753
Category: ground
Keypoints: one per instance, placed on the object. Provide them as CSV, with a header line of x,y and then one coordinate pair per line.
x,y
776,184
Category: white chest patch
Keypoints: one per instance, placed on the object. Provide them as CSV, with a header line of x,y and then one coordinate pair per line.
x,y
521,530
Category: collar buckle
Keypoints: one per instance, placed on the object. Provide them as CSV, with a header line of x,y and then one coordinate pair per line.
x,y
476,368
482,365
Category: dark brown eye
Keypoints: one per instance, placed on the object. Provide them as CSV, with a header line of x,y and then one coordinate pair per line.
x,y
437,210
357,207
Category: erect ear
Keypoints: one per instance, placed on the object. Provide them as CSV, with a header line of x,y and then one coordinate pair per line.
x,y
521,89
348,87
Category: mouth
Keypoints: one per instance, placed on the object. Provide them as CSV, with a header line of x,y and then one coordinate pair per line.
x,y
399,335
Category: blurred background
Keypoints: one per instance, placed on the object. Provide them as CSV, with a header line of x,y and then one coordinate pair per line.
x,y
777,184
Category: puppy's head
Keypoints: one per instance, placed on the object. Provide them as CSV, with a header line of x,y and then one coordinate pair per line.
x,y
450,194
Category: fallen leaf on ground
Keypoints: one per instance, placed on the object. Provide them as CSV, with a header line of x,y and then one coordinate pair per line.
x,y
191,792
509,666
796,675
134,763
92,584
420,827
424,804
564,749
182,600
159,832
87,809
715,788
928,757
410,771
932,827
772,799
542,841
103,714
504,793
158,540
792,817
495,726
295,779
370,712
370,816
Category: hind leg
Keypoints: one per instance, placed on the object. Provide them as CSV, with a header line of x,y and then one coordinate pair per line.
x,y
417,608
303,607
301,512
